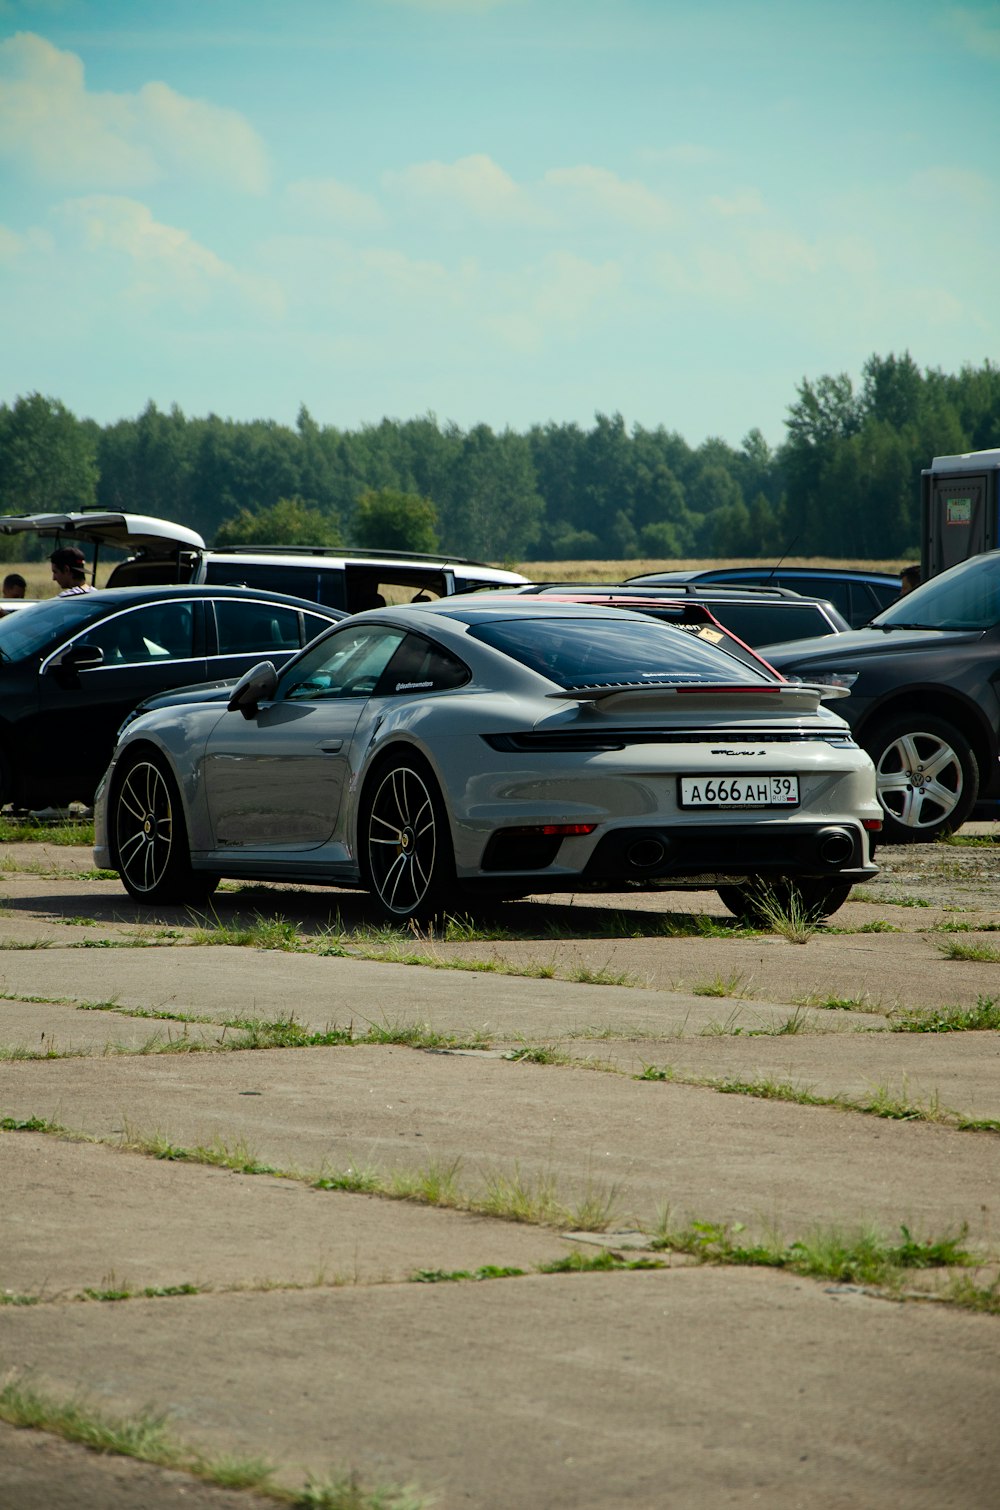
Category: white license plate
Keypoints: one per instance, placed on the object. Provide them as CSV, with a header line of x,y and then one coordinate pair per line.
x,y
739,791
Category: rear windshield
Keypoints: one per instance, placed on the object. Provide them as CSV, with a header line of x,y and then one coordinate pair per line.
x,y
584,652
771,623
966,597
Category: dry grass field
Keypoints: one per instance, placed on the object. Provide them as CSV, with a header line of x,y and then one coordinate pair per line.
x,y
38,575
619,571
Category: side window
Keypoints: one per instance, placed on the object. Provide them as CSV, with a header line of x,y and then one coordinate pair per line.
x,y
248,626
420,666
768,624
314,625
347,664
160,631
830,589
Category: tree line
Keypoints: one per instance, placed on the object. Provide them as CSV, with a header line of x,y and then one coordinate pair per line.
x,y
844,482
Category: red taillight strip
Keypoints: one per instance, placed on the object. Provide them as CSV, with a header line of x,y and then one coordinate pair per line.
x,y
551,830
725,687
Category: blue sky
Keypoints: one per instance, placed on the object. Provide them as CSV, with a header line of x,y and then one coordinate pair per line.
x,y
507,211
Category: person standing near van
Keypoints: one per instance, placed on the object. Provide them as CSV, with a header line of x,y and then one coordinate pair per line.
x,y
69,571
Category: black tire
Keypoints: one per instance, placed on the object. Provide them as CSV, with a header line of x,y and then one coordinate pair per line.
x,y
404,842
758,901
926,776
149,842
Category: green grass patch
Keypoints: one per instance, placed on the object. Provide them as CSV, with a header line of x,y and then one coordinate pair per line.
x,y
71,832
586,975
262,933
458,1276
736,984
860,1256
841,1003
146,1438
983,1017
950,927
881,1103
982,954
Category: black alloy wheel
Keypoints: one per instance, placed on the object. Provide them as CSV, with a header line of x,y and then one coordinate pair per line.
x,y
406,851
148,837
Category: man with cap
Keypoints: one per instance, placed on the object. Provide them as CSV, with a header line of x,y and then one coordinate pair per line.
x,y
69,571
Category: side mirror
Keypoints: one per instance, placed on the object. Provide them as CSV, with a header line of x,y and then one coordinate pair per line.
x,y
254,687
80,657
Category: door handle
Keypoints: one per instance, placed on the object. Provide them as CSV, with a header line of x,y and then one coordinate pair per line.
x,y
331,746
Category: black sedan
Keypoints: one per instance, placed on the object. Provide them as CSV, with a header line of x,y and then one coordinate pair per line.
x,y
72,668
924,679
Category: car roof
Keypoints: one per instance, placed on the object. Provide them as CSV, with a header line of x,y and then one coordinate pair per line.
x,y
721,574
483,608
337,555
127,596
672,592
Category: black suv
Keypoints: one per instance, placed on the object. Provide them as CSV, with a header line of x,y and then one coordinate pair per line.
x,y
756,615
925,697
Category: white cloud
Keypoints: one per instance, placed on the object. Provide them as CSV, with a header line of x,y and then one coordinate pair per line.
x,y
604,194
682,154
329,200
961,187
474,183
215,144
52,126
15,247
164,264
458,7
747,202
569,288
979,31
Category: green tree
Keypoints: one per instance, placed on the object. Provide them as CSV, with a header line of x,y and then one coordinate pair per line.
x,y
48,459
290,521
496,511
388,520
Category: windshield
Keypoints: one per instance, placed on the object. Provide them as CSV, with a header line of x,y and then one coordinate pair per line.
x,y
596,652
29,631
966,596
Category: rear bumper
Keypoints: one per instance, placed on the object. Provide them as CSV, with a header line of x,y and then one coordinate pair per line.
x,y
824,851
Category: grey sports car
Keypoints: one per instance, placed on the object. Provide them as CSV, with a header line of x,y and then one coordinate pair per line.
x,y
440,751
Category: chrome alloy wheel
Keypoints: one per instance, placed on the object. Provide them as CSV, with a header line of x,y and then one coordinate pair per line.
x,y
144,827
402,839
920,781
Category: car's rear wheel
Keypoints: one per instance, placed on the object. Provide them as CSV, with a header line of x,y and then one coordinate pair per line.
x,y
764,902
405,848
926,776
149,840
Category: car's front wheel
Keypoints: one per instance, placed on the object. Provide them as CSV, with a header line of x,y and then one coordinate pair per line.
x,y
763,903
926,777
149,840
404,841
